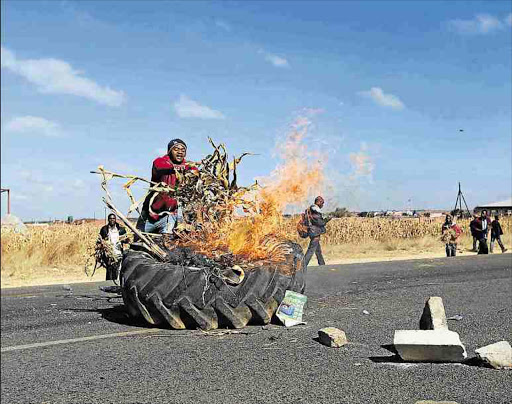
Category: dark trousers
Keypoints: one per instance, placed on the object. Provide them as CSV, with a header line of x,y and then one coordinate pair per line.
x,y
314,248
482,246
451,249
498,239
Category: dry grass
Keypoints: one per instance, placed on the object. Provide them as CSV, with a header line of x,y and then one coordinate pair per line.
x,y
60,251
47,250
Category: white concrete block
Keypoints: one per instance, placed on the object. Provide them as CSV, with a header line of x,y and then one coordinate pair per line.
x,y
434,316
429,346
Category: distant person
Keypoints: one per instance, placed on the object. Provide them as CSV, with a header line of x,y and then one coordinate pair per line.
x,y
316,229
474,231
496,233
112,232
160,209
451,233
483,226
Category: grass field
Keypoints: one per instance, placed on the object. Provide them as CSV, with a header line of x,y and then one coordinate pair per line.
x,y
58,253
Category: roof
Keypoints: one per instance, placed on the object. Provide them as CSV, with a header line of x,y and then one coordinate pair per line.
x,y
502,204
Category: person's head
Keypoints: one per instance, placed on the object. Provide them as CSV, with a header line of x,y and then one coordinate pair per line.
x,y
449,218
483,213
111,219
319,201
177,150
497,217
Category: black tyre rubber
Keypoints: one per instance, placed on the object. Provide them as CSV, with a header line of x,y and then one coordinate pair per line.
x,y
187,297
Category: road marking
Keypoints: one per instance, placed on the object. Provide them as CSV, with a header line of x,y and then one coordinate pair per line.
x,y
69,341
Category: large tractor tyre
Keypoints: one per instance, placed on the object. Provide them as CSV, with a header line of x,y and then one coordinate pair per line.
x,y
188,297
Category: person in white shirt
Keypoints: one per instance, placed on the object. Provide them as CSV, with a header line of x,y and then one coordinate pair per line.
x,y
112,232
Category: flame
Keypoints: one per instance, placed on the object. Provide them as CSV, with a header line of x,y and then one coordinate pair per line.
x,y
296,181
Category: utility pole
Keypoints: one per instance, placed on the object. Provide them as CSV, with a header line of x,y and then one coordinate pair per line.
x,y
459,200
2,190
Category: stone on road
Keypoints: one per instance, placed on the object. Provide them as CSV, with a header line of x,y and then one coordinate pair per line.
x,y
332,337
498,355
429,346
435,402
434,316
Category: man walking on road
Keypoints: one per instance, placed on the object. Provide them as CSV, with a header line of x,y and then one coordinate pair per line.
x,y
483,225
474,232
112,232
496,233
316,228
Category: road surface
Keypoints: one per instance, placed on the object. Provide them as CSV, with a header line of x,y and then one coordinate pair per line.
x,y
74,344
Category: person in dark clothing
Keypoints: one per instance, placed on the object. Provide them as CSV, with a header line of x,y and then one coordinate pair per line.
x,y
316,228
112,232
160,210
483,224
496,233
474,231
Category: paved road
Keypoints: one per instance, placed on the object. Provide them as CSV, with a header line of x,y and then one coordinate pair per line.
x,y
76,346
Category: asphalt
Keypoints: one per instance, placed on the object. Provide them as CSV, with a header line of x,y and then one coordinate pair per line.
x,y
63,344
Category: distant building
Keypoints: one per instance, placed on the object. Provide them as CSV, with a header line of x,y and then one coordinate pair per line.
x,y
499,208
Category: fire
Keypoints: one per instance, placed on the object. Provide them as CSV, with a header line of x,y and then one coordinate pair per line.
x,y
295,181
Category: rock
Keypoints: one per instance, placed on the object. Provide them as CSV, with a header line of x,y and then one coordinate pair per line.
x,y
435,402
429,346
433,317
498,355
332,337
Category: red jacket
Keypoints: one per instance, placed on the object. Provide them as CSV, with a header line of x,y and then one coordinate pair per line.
x,y
164,170
454,227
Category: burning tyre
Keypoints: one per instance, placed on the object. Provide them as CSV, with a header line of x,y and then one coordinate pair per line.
x,y
207,295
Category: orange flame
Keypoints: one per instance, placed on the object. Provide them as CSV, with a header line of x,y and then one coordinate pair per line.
x,y
295,181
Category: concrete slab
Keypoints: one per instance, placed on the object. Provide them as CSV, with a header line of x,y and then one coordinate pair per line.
x,y
429,346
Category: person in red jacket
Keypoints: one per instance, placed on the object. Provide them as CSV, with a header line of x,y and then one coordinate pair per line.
x,y
160,210
451,233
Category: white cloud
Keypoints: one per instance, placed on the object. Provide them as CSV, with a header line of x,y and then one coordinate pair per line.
x,y
54,76
19,197
79,185
223,24
480,24
277,61
33,124
383,99
187,108
508,20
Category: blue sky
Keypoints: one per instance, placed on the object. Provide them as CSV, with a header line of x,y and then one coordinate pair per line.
x,y
386,87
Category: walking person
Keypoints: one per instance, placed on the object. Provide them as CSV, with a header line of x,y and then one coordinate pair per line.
x,y
316,229
474,232
483,225
496,233
112,233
